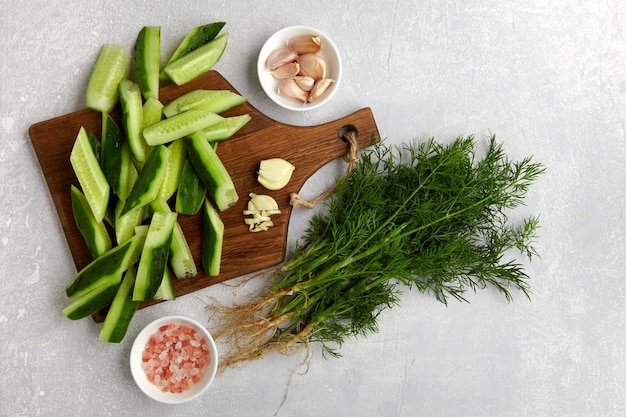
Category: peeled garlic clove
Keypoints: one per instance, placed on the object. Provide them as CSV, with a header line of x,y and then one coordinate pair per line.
x,y
305,83
280,57
262,202
311,65
319,88
289,88
286,71
305,44
275,173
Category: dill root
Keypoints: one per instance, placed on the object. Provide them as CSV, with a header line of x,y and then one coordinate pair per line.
x,y
428,216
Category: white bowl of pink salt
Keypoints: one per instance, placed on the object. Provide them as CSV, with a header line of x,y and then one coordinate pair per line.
x,y
173,359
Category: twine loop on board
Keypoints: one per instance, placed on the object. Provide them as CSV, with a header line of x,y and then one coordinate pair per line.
x,y
351,157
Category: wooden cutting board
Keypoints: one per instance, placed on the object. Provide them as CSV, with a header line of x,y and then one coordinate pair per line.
x,y
307,148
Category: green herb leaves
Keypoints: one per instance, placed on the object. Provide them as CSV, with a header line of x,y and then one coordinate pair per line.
x,y
432,217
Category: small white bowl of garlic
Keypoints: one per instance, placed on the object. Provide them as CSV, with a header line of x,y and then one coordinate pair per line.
x,y
299,68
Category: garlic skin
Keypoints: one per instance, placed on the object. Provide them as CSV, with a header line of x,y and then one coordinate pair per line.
x,y
305,44
289,88
280,57
319,89
286,71
312,65
275,173
305,83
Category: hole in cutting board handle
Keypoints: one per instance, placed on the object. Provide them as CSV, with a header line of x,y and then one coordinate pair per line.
x,y
343,131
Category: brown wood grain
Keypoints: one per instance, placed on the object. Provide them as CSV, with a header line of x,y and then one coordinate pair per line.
x,y
307,148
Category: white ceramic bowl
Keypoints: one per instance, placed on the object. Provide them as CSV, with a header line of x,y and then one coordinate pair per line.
x,y
328,52
152,390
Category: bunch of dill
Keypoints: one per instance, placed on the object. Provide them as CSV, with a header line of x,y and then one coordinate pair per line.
x,y
426,216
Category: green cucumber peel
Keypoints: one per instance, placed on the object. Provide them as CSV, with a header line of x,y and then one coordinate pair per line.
x,y
121,311
148,183
148,60
95,234
154,255
212,172
197,62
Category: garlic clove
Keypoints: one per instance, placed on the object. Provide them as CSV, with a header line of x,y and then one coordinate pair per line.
x,y
305,44
312,65
280,57
289,88
262,202
286,71
319,89
305,83
275,173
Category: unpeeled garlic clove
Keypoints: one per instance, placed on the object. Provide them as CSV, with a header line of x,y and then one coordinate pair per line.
x,y
286,71
312,65
319,88
305,44
305,83
280,57
289,88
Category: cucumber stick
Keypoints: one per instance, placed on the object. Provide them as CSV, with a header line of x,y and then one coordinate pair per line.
x,y
224,129
125,223
179,126
212,172
94,300
197,62
214,101
148,183
122,310
197,37
152,111
106,267
90,176
132,118
180,259
148,60
166,289
94,233
108,71
212,240
174,169
116,160
191,191
154,255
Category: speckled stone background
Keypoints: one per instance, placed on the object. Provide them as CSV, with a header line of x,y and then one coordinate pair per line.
x,y
547,77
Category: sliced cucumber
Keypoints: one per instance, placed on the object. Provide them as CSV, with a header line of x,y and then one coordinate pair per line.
x,y
197,37
148,60
179,126
152,111
121,312
107,266
108,71
90,176
94,233
95,144
94,300
154,255
178,155
132,119
125,224
214,101
116,161
191,191
165,290
212,172
181,259
197,62
224,129
148,183
212,240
